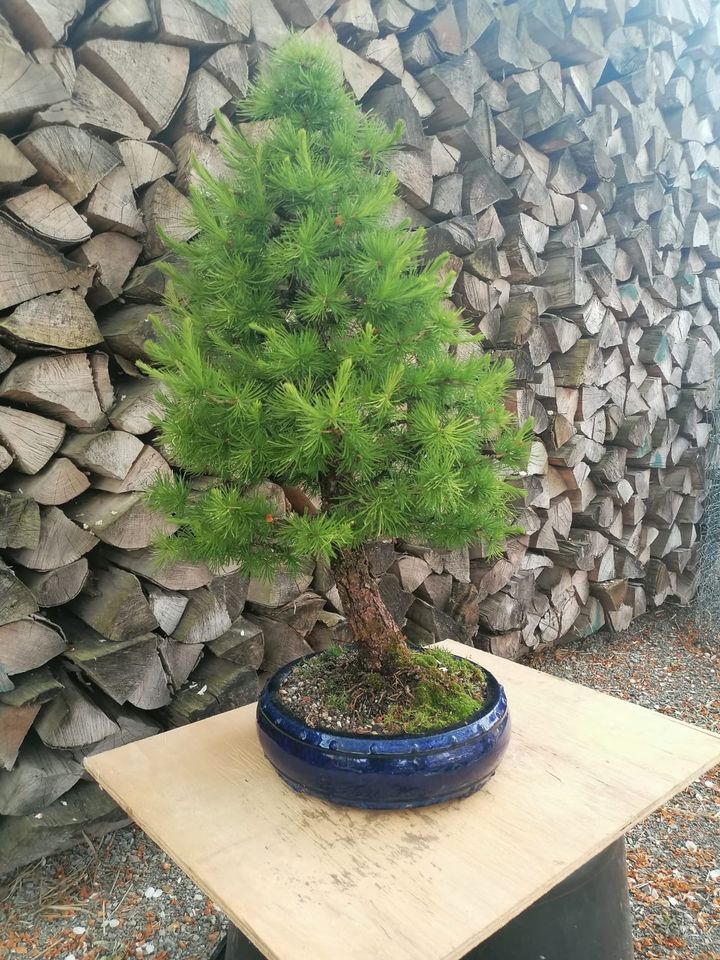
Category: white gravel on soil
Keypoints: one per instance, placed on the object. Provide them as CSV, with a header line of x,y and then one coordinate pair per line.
x,y
119,898
123,899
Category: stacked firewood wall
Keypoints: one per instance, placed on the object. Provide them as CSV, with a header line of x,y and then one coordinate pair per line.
x,y
564,152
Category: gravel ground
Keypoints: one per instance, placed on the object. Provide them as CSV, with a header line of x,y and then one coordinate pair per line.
x,y
122,898
116,899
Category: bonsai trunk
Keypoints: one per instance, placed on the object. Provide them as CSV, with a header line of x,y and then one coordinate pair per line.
x,y
381,644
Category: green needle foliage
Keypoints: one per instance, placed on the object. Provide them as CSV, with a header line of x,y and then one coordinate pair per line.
x,y
311,345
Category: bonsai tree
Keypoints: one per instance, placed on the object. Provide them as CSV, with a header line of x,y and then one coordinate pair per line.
x,y
311,345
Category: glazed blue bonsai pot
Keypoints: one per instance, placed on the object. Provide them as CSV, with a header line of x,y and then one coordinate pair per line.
x,y
383,772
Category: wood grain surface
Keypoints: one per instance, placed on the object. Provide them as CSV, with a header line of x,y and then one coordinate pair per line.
x,y
301,878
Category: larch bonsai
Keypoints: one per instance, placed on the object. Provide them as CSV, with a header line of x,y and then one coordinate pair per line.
x,y
310,345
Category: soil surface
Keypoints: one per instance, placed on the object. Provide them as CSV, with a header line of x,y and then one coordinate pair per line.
x,y
431,691
122,898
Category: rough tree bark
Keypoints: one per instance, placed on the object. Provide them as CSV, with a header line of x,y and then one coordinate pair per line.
x,y
379,640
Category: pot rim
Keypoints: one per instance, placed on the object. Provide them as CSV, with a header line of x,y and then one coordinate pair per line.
x,y
496,697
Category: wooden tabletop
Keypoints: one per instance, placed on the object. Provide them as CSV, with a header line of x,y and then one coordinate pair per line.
x,y
303,879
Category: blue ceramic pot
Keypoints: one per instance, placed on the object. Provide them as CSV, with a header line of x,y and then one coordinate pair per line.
x,y
383,772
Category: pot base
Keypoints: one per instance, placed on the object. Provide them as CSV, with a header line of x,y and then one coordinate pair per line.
x,y
386,804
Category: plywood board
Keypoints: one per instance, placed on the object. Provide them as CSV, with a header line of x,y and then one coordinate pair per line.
x,y
304,879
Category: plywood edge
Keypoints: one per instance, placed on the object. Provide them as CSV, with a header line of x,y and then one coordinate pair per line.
x,y
499,922
205,885
488,659
713,758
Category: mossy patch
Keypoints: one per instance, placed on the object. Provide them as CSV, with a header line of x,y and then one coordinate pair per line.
x,y
431,690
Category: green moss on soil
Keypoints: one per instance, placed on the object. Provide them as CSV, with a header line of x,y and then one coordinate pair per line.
x,y
430,691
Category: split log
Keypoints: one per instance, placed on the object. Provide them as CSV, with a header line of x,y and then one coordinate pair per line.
x,y
111,205
426,624
18,709
72,718
84,811
60,320
412,572
40,776
113,604
167,607
205,618
61,386
129,671
137,408
229,65
38,23
60,542
171,576
413,169
94,107
582,364
282,643
283,588
185,24
57,587
500,612
116,19
131,70
59,482
29,643
196,148
243,643
482,187
204,96
165,208
331,629
71,160
130,725
112,255
145,162
214,686
16,601
178,661
109,454
14,167
25,86
31,440
29,268
19,521
360,75
119,519
300,615
141,474
127,329
49,216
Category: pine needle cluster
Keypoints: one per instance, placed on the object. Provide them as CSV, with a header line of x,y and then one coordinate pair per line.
x,y
311,345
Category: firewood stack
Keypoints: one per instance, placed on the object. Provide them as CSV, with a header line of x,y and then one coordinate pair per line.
x,y
564,152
